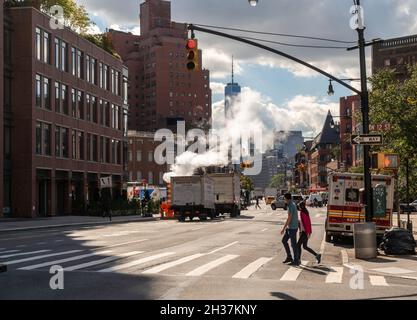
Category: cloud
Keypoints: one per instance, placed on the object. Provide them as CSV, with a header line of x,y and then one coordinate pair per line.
x,y
217,87
132,29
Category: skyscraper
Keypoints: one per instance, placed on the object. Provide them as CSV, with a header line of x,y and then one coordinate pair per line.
x,y
161,89
231,91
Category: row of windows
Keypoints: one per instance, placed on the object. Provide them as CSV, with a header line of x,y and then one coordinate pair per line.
x,y
150,177
83,146
82,66
139,156
83,106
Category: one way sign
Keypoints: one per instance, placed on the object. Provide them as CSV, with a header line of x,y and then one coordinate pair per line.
x,y
366,139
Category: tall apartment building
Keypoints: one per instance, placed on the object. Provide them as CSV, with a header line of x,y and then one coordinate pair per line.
x,y
161,89
348,107
395,53
69,120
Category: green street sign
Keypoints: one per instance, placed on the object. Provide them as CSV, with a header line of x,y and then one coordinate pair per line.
x,y
380,201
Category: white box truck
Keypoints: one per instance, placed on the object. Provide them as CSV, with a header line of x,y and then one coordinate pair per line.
x,y
192,196
226,193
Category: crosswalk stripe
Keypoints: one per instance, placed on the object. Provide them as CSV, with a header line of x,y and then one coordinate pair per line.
x,y
292,273
102,261
171,264
50,263
226,246
137,262
9,251
335,275
251,268
263,230
23,254
124,243
378,281
211,265
40,257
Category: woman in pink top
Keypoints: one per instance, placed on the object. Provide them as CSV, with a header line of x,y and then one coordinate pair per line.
x,y
305,232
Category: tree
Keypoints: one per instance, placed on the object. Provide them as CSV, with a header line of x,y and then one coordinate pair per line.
x,y
395,102
246,183
76,16
277,181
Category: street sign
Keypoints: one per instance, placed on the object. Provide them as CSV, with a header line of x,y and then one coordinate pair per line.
x,y
366,139
380,127
106,182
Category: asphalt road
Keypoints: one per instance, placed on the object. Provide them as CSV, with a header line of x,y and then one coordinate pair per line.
x,y
221,259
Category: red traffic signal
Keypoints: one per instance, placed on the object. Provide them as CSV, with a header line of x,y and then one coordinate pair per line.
x,y
192,54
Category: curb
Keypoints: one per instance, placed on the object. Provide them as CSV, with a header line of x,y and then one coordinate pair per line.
x,y
76,224
345,262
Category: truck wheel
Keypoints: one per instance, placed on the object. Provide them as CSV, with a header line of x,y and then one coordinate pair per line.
x,y
203,217
328,238
285,208
273,207
191,218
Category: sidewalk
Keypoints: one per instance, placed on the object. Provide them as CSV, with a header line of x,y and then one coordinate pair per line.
x,y
404,267
12,224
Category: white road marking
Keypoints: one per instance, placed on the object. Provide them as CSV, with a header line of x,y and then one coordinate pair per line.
x,y
263,230
23,254
250,269
394,270
378,281
335,275
40,257
345,257
101,261
137,262
171,264
50,263
10,251
124,243
226,246
291,274
195,229
211,265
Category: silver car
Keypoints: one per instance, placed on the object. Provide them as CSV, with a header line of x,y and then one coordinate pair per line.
x,y
279,203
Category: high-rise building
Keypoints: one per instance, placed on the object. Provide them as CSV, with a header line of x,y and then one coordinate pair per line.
x,y
395,53
231,91
288,142
161,89
68,127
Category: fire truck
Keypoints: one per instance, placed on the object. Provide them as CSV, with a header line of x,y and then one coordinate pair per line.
x,y
346,203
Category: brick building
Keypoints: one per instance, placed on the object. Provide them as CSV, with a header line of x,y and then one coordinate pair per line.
x,y
321,154
162,91
141,162
348,107
395,53
69,121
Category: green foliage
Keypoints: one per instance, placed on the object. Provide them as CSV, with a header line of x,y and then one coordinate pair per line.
x,y
103,41
356,170
246,183
395,102
277,181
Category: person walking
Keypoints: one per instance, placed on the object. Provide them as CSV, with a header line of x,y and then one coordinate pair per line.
x,y
305,232
257,203
290,232
106,202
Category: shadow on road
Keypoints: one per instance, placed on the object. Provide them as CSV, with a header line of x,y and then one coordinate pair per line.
x,y
282,296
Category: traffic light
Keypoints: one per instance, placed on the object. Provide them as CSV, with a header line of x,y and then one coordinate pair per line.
x,y
192,54
383,160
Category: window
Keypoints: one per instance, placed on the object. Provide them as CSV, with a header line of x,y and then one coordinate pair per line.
x,y
113,151
57,50
102,113
150,156
74,144
88,103
107,112
80,145
74,61
139,176
130,156
89,151
57,97
93,71
80,65
100,74
61,142
80,105
38,138
112,81
94,147
94,117
64,98
125,90
47,93
38,91
161,178
74,102
46,47
64,61
38,44
150,177
105,77
138,155
88,68
43,139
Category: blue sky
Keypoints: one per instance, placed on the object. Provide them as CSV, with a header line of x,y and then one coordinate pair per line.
x,y
302,94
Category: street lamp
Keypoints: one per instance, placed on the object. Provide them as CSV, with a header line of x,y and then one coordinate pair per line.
x,y
253,3
330,92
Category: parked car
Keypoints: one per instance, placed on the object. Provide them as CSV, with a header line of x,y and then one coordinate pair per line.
x,y
313,199
411,207
279,203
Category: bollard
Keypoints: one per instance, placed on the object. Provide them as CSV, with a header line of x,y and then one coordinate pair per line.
x,y
364,238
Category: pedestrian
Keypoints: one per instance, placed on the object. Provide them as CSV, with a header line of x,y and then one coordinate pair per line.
x,y
305,232
289,232
316,204
257,203
106,202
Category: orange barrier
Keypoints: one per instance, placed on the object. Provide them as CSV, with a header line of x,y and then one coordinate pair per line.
x,y
166,211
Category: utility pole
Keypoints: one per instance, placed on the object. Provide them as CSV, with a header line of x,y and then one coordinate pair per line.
x,y
365,115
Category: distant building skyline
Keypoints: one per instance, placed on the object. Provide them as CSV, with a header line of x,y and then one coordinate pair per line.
x,y
231,91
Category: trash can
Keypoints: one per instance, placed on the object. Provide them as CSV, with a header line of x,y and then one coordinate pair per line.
x,y
364,239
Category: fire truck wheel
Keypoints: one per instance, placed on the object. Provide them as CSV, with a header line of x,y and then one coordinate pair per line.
x,y
328,238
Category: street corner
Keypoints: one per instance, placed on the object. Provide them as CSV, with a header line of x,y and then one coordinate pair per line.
x,y
400,267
